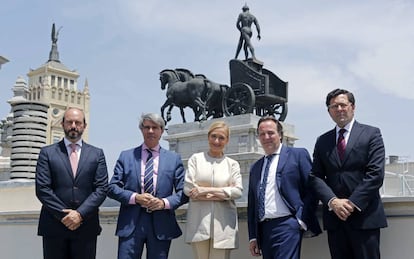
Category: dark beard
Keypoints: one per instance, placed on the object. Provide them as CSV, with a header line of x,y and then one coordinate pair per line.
x,y
73,134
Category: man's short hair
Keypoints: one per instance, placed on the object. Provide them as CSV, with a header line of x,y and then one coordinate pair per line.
x,y
154,117
334,93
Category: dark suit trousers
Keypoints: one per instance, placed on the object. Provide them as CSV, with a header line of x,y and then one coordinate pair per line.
x,y
347,243
281,238
69,248
132,247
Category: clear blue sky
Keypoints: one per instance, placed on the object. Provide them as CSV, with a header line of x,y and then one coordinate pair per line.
x,y
121,46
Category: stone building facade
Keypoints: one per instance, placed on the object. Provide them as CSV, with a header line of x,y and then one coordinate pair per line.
x,y
37,109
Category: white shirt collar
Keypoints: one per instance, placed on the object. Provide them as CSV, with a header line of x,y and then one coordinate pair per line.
x,y
67,142
277,152
348,127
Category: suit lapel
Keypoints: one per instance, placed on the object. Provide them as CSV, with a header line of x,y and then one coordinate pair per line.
x,y
161,165
283,160
283,157
257,175
356,131
63,154
85,151
137,164
332,150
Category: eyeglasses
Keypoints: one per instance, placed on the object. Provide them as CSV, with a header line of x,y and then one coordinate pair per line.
x,y
153,128
336,106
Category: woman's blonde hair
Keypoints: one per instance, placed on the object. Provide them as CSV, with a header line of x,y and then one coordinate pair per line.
x,y
219,125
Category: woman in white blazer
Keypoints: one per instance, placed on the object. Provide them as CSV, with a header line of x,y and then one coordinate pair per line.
x,y
213,181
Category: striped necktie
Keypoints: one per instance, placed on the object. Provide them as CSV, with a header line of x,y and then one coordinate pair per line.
x,y
149,173
262,187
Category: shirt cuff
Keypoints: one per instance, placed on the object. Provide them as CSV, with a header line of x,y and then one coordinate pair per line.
x,y
166,203
329,203
132,198
353,204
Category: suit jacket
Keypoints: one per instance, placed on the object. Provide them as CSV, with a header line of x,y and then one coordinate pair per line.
x,y
292,180
358,177
170,183
57,189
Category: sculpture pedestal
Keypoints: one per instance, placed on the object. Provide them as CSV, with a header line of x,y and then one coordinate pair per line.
x,y
255,64
189,138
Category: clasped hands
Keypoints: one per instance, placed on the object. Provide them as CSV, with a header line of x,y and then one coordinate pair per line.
x,y
149,202
203,193
208,193
342,208
197,192
72,220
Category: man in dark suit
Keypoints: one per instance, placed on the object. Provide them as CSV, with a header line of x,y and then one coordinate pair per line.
x,y
348,182
147,216
280,204
70,197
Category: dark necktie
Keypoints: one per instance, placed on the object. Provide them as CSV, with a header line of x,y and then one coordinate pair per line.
x,y
148,174
262,186
341,145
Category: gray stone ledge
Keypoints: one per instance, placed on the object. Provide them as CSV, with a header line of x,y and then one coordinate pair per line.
x,y
17,183
394,207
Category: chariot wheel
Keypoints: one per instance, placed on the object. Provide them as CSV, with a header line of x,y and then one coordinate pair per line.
x,y
239,99
278,110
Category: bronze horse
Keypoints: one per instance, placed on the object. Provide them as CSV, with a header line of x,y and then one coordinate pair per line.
x,y
182,94
195,91
215,92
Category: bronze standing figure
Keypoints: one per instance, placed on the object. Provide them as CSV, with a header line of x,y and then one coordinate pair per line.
x,y
244,24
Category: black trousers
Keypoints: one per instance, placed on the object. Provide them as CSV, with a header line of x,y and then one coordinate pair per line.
x,y
69,248
348,243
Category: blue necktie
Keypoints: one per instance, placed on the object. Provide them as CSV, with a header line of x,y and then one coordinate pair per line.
x,y
262,187
148,174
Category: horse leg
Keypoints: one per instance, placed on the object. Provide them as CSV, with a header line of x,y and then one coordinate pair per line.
x,y
169,112
196,113
163,108
202,107
182,114
209,98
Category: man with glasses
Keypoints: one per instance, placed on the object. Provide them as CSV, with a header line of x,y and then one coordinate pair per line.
x,y
148,181
280,205
347,173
